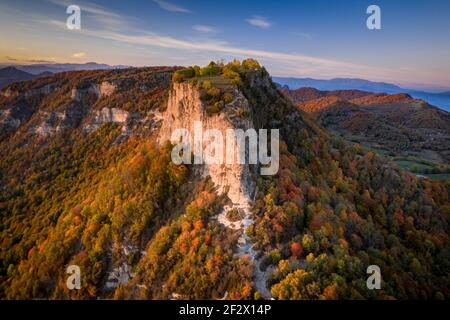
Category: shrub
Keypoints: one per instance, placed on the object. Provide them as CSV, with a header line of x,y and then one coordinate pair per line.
x,y
213,92
243,113
211,70
206,85
251,64
214,108
227,97
181,75
234,215
229,73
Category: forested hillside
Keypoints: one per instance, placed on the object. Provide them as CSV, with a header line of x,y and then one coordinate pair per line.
x,y
84,181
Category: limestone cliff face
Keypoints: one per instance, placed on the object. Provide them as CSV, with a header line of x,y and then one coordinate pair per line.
x,y
52,122
110,115
45,90
100,90
7,121
45,123
8,93
184,108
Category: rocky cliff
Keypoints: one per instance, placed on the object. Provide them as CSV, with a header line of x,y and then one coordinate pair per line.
x,y
184,108
47,106
237,181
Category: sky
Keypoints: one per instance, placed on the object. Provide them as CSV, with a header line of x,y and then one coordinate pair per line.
x,y
319,39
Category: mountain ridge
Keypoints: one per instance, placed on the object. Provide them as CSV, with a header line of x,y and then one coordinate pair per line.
x,y
10,74
38,68
441,100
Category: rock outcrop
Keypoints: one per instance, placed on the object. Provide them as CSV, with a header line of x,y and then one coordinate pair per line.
x,y
44,90
52,122
8,93
184,108
109,115
103,89
7,121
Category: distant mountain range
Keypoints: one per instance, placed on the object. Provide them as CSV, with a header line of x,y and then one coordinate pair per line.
x,y
441,100
61,67
15,73
10,74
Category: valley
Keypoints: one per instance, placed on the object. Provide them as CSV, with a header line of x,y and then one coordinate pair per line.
x,y
408,131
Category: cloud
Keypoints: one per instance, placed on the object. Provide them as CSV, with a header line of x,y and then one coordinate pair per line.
x,y
302,34
168,6
204,29
259,22
153,39
87,7
24,60
79,55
